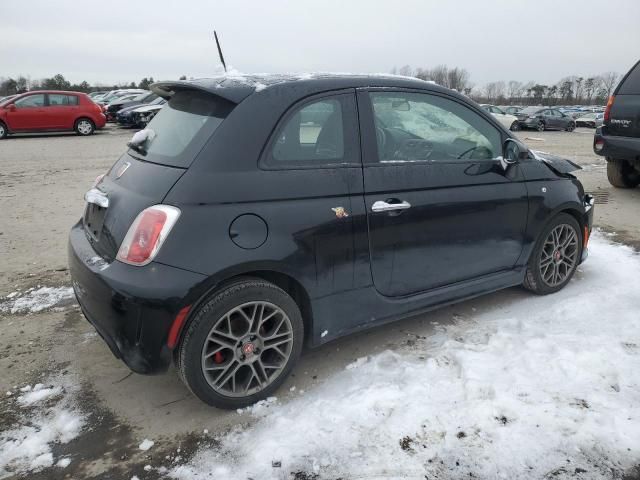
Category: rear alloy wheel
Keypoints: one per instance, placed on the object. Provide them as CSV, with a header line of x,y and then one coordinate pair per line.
x,y
84,127
515,126
241,345
3,130
540,127
622,174
571,127
555,257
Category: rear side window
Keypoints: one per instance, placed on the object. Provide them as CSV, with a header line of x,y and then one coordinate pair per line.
x,y
57,100
316,133
631,84
180,129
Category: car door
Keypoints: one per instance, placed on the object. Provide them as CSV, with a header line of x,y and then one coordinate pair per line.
x,y
549,119
562,120
61,110
28,114
441,208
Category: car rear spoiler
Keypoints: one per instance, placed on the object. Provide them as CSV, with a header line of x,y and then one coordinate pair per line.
x,y
228,88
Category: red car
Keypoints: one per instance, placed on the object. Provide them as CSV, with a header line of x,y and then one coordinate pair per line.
x,y
50,110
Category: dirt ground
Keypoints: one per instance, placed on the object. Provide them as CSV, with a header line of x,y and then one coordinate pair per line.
x,y
42,182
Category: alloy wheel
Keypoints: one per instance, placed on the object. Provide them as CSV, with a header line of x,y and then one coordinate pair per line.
x,y
540,126
85,127
559,255
247,349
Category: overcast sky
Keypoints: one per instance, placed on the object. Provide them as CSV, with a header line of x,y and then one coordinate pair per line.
x,y
123,40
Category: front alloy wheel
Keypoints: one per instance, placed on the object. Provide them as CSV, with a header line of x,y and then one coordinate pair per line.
x,y
540,126
3,131
555,257
515,126
241,344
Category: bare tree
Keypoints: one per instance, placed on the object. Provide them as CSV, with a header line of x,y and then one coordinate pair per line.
x,y
609,81
406,71
457,79
514,89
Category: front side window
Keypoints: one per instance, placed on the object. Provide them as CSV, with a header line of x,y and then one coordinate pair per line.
x,y
423,127
313,133
30,101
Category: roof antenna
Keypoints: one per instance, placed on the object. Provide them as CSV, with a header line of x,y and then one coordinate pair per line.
x,y
220,52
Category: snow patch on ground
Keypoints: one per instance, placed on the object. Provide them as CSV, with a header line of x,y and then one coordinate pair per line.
x,y
146,444
36,300
537,387
48,416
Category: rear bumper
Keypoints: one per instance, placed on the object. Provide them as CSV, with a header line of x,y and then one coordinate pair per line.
x,y
100,121
132,308
621,148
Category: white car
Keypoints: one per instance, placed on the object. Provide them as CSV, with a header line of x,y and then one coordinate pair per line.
x,y
508,121
143,115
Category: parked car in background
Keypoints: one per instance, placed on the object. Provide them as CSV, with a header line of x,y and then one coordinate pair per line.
x,y
246,222
143,115
50,110
618,139
591,120
543,118
94,95
126,101
512,110
113,94
508,121
128,118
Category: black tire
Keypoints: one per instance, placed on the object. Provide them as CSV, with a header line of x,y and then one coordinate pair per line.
x,y
515,126
540,126
190,350
84,127
3,131
571,127
621,174
533,279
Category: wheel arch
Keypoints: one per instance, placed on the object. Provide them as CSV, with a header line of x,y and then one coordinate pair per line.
x,y
284,280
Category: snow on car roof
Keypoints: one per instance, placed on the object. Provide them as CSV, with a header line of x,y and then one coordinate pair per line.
x,y
235,86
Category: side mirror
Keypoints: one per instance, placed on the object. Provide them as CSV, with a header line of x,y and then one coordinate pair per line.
x,y
513,151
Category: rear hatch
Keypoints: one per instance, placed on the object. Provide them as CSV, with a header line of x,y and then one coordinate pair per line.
x,y
625,112
156,159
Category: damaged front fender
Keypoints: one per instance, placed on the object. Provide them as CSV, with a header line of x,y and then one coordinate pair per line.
x,y
558,164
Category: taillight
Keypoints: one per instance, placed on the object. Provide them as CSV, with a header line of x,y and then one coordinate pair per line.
x,y
607,110
147,234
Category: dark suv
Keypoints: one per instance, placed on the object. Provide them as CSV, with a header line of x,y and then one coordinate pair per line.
x,y
618,139
258,214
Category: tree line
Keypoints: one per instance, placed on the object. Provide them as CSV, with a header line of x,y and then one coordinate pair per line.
x,y
21,84
573,90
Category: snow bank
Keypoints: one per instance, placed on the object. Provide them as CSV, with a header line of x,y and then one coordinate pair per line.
x,y
36,300
26,447
537,386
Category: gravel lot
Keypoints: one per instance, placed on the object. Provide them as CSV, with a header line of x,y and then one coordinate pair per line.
x,y
42,184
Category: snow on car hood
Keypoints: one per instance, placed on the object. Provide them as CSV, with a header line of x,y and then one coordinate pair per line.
x,y
556,163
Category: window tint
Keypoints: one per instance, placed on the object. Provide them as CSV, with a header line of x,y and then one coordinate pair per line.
x,y
57,99
181,128
417,127
631,85
497,110
30,101
317,133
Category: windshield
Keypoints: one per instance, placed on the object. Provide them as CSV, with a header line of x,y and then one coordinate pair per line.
x,y
180,129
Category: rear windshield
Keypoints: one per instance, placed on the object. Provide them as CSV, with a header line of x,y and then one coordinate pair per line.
x,y
631,85
180,129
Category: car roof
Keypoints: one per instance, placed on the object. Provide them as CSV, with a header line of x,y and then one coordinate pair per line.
x,y
236,87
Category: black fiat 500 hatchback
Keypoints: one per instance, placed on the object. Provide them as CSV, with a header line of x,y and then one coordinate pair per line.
x,y
255,215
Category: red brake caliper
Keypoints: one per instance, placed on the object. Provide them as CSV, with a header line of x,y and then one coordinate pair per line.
x,y
218,357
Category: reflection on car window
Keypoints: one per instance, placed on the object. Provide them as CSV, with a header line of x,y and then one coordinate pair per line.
x,y
30,101
313,132
418,127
